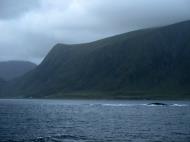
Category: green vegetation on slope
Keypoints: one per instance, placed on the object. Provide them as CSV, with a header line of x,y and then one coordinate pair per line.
x,y
150,63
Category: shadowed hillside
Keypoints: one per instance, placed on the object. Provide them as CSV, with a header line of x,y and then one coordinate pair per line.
x,y
2,82
12,69
150,63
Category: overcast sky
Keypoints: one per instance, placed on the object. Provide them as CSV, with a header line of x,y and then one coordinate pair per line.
x,y
29,28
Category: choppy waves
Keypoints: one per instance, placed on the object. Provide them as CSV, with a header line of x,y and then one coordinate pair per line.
x,y
132,105
55,138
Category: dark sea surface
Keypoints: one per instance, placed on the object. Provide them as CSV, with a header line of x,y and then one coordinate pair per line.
x,y
93,121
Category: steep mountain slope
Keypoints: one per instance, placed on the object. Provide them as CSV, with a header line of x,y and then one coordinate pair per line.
x,y
12,69
150,63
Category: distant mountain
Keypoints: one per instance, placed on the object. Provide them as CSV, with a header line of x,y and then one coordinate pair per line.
x,y
13,69
145,64
2,82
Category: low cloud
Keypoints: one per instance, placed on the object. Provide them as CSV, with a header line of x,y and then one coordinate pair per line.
x,y
29,28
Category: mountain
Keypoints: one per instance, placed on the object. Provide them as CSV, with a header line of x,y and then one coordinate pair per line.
x,y
13,69
145,64
2,83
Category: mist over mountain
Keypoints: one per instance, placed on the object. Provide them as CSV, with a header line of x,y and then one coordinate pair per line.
x,y
148,63
13,69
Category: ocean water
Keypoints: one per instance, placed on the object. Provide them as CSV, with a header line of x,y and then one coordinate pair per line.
x,y
93,121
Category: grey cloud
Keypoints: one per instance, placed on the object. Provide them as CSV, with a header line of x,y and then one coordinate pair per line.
x,y
124,15
43,23
14,8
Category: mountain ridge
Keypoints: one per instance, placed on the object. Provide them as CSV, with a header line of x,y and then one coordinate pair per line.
x,y
130,65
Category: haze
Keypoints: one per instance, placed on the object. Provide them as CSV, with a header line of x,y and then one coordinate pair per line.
x,y
29,28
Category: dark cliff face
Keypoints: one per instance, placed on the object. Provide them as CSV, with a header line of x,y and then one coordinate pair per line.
x,y
149,60
13,69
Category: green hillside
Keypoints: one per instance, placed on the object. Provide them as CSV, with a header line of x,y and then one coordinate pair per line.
x,y
144,64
